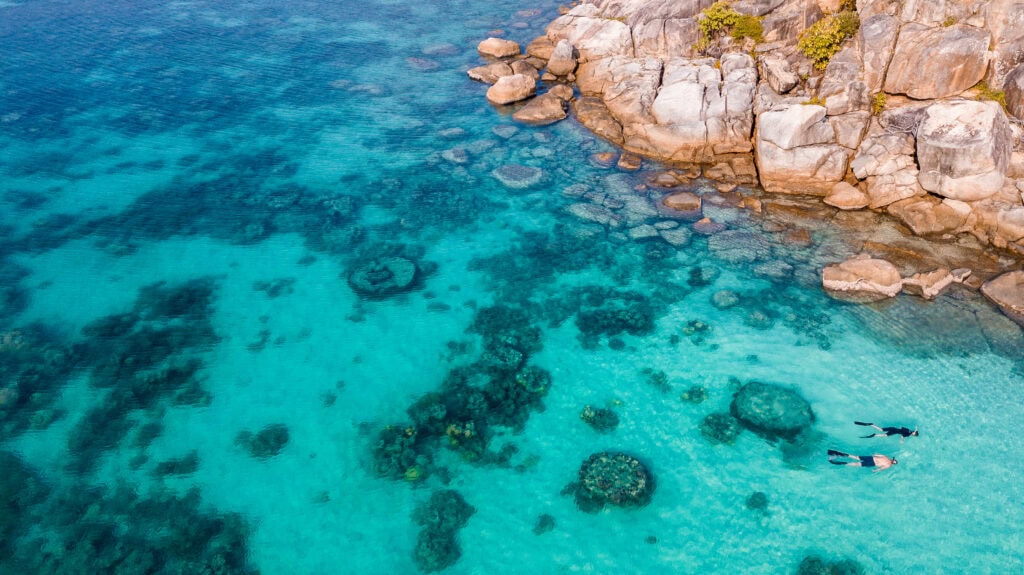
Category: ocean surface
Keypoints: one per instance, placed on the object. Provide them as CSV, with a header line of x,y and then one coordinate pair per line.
x,y
282,293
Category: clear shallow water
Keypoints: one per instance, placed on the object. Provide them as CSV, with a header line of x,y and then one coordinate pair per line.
x,y
250,156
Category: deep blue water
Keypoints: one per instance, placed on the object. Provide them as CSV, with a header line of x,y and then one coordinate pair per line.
x,y
192,379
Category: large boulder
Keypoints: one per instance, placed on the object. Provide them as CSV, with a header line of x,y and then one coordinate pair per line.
x,y
878,40
498,48
593,37
862,279
963,149
771,410
776,71
563,59
846,197
886,161
796,151
1007,292
542,110
928,215
1014,89
938,62
490,73
514,88
615,478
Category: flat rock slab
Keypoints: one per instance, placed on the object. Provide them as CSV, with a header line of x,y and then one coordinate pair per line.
x,y
1007,292
771,410
518,176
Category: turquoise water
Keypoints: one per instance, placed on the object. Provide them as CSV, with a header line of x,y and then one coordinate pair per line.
x,y
186,189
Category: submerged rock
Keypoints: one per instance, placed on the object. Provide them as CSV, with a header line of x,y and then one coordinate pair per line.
x,y
615,478
721,428
518,176
383,277
771,410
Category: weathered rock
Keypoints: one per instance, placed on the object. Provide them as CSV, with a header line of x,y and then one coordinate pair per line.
x,y
490,73
1007,292
593,114
498,48
687,203
642,232
563,59
796,151
523,67
776,71
708,227
542,110
562,91
928,215
1014,89
541,47
928,285
850,127
593,38
1005,19
963,149
771,410
629,162
846,197
878,40
514,88
841,87
862,278
937,62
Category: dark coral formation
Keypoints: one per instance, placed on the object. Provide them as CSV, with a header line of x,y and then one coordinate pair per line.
x,y
383,277
757,501
545,522
499,389
36,365
84,529
441,517
615,478
601,419
265,443
721,428
815,565
696,394
771,410
657,379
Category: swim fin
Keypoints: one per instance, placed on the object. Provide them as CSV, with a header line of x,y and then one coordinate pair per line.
x,y
862,423
868,436
834,452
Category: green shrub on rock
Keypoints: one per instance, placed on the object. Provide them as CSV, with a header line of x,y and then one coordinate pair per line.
x,y
720,18
822,40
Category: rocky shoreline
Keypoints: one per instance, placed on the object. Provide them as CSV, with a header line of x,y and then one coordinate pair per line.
x,y
915,116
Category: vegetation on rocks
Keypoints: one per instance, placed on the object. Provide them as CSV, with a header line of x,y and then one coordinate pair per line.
x,y
720,18
877,103
986,92
822,40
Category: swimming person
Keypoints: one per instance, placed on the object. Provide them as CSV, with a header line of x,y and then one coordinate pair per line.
x,y
879,461
903,432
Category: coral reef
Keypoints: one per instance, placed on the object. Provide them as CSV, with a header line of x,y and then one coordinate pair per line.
x,y
601,419
442,516
615,478
771,410
544,523
266,443
721,428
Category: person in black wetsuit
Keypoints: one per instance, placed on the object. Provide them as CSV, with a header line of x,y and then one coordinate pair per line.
x,y
879,462
903,432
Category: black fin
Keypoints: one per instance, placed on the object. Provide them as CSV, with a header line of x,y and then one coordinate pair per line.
x,y
834,452
862,423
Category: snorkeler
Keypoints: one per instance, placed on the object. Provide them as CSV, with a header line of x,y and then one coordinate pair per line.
x,y
879,461
903,432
